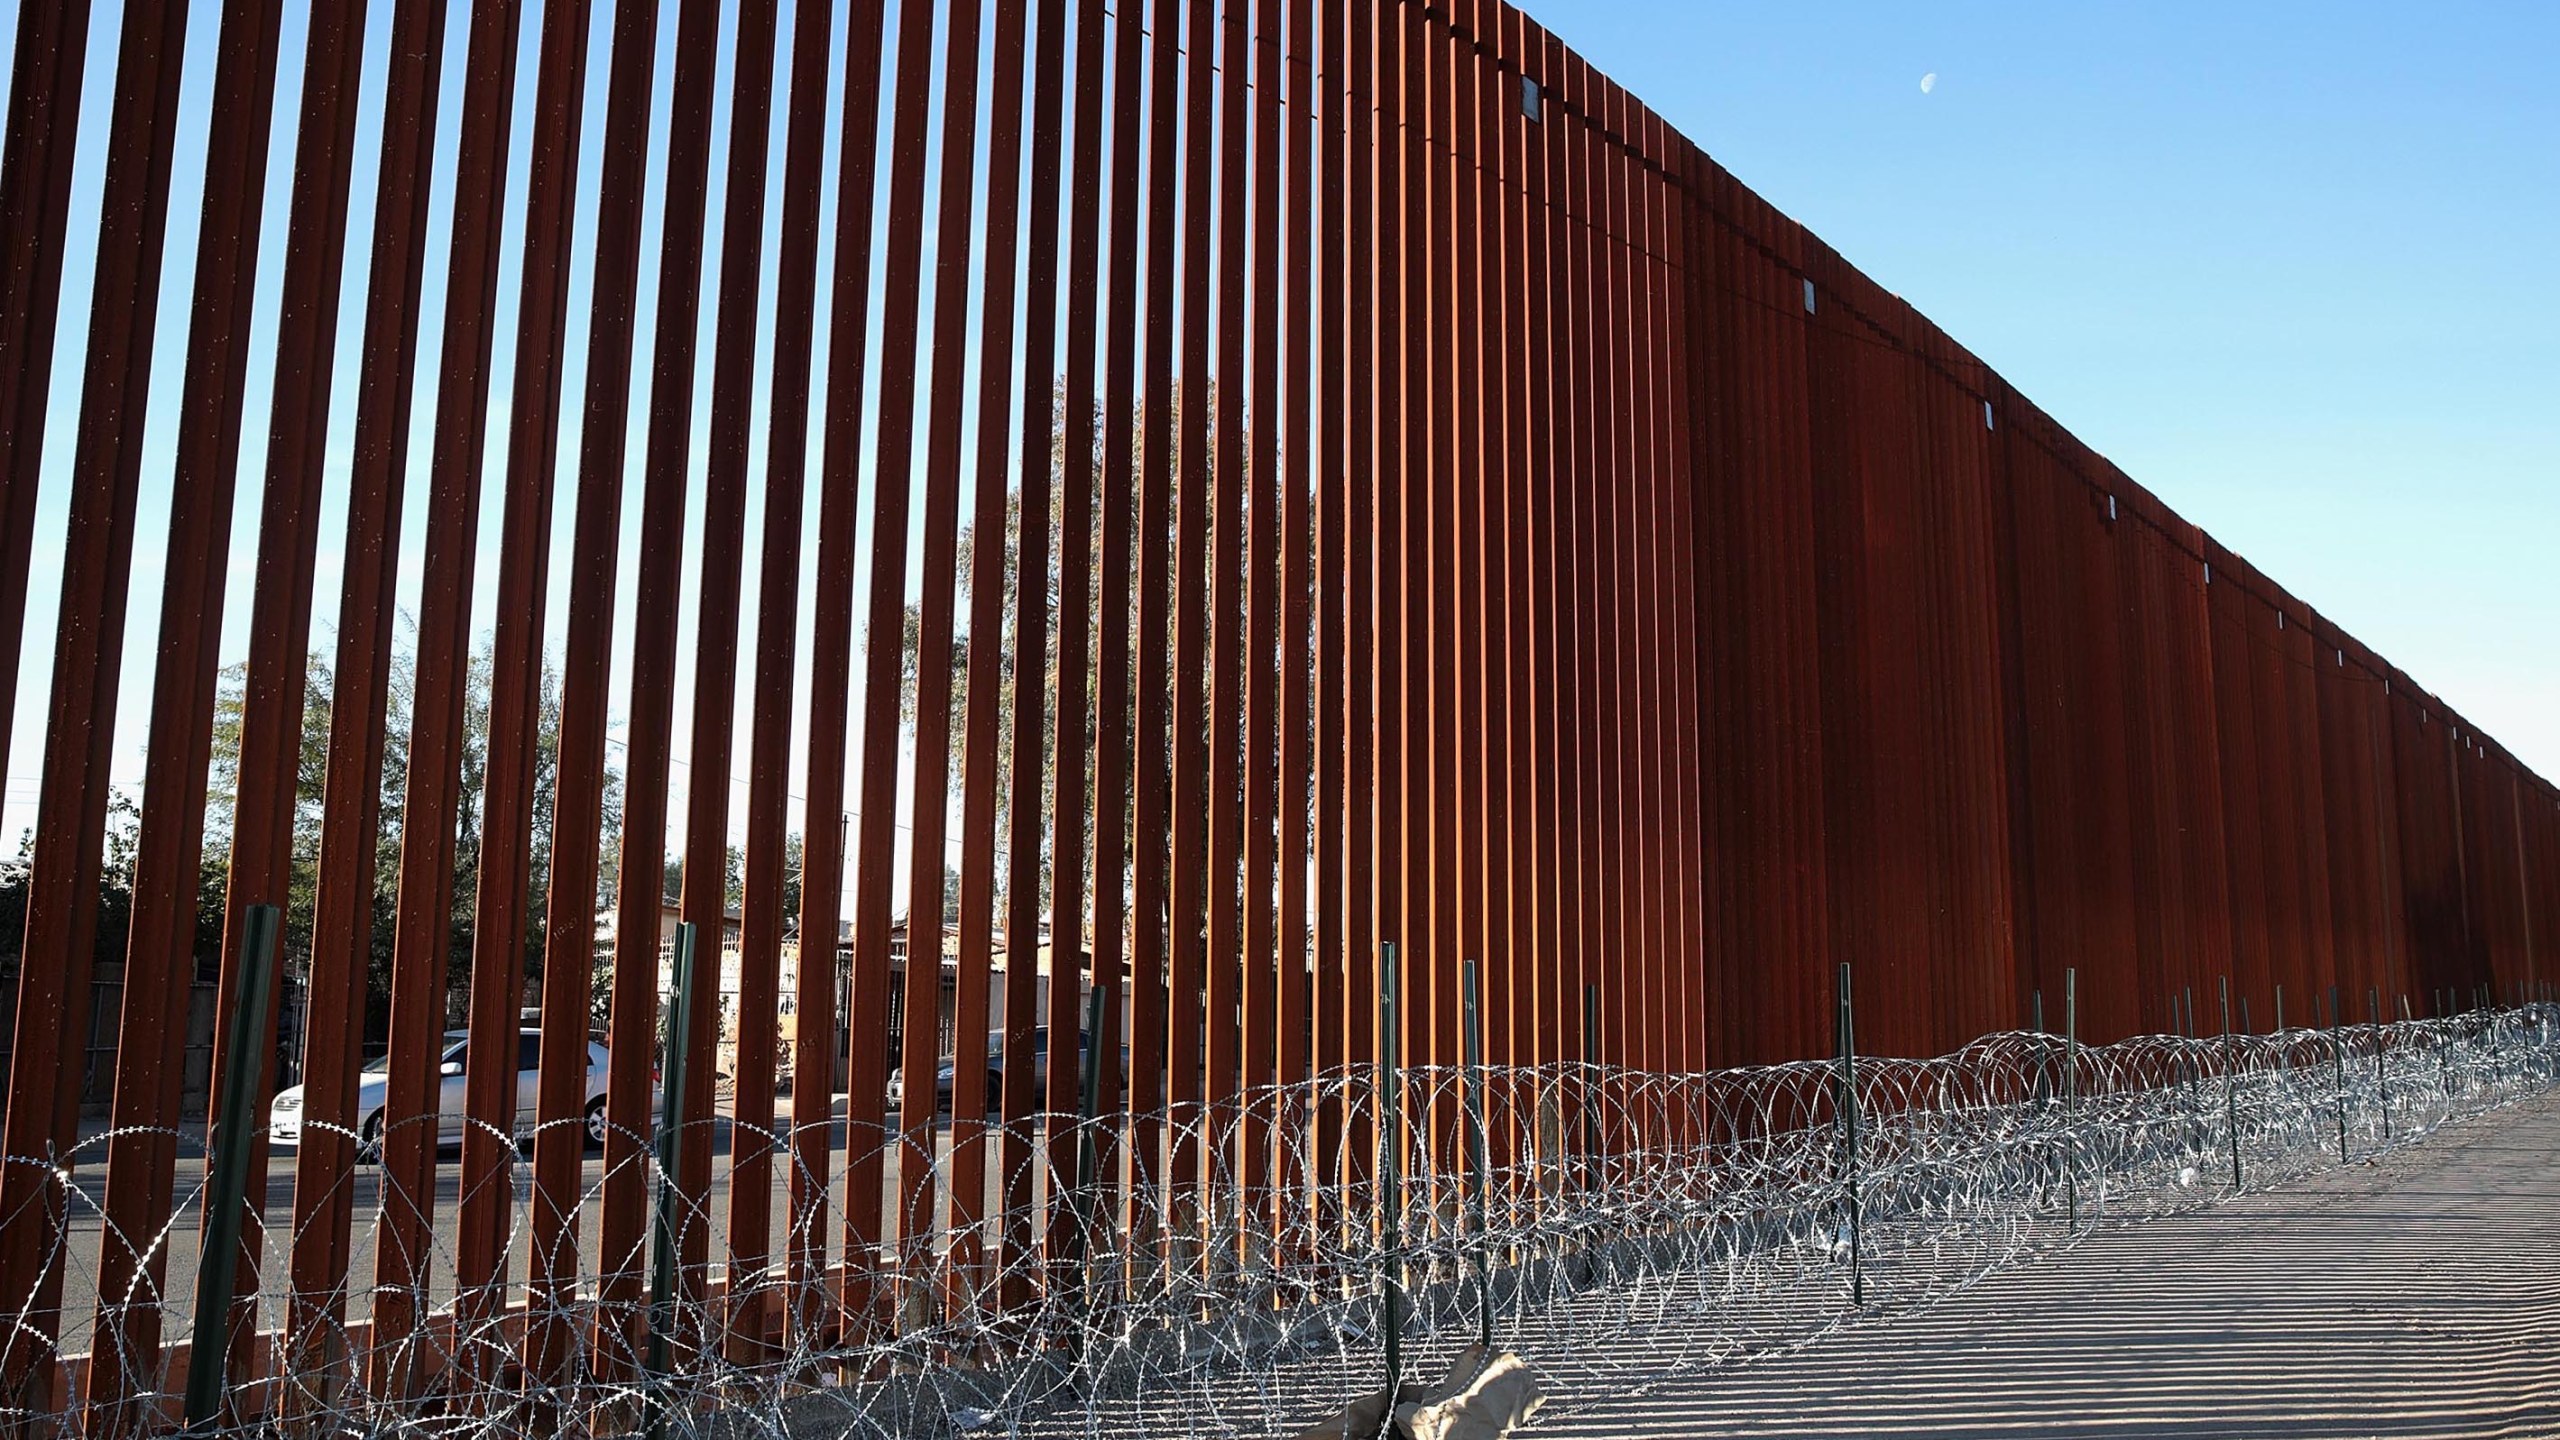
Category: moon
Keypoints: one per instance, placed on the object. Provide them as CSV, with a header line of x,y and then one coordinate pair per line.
x,y
1928,82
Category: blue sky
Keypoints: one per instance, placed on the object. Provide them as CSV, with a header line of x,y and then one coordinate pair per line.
x,y
2293,271
2295,267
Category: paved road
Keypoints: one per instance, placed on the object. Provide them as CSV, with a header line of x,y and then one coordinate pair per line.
x,y
2417,1296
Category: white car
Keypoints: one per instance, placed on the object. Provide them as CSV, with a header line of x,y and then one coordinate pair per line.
x,y
373,1086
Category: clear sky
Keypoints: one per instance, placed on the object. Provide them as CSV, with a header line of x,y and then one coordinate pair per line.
x,y
2295,267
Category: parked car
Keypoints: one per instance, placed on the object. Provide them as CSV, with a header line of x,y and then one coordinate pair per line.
x,y
373,1088
944,1073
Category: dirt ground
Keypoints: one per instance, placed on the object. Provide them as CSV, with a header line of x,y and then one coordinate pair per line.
x,y
2415,1296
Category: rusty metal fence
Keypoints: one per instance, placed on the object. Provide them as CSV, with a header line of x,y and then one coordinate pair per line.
x,y
1293,474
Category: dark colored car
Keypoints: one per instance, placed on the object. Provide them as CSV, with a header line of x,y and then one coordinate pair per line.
x,y
943,1075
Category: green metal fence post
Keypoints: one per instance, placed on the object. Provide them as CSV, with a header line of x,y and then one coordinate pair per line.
x,y
1390,1181
2230,1085
1477,1144
1099,1032
2381,1072
1847,1104
664,1226
226,1193
2070,1096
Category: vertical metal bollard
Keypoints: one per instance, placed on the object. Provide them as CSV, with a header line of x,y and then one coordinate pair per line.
x,y
2070,1095
2191,1066
2338,1053
2230,1086
1590,1127
1477,1144
1099,1033
2044,1061
209,1365
663,1225
2381,1073
1847,1105
1390,1182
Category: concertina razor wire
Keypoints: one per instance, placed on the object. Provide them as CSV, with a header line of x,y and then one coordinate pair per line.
x,y
1612,1227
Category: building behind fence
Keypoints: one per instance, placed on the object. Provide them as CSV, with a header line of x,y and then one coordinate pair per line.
x,y
1563,562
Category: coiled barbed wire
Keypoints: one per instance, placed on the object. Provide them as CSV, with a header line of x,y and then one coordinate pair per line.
x,y
1219,1271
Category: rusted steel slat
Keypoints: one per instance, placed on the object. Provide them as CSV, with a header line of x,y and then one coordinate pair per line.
x,y
1379,868
1540,387
1628,846
1690,474
1300,257
1583,875
1402,432
1185,694
754,1139
705,900
160,949
1262,740
1339,468
577,819
1224,737
351,793
1112,760
1423,177
1487,68
50,61
406,1259
883,655
1456,781
49,1053
502,908
1509,202
814,1313
1150,830
640,887
1023,1089
980,779
1075,724
1656,541
923,1206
